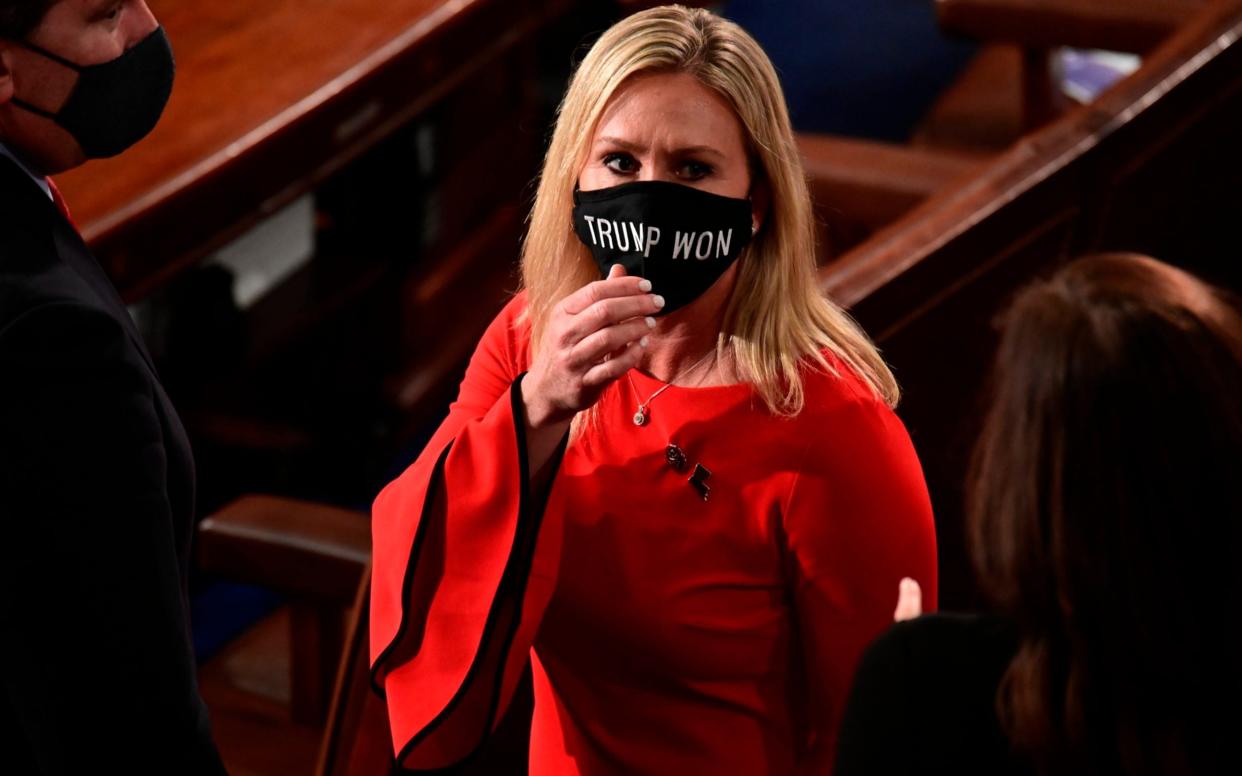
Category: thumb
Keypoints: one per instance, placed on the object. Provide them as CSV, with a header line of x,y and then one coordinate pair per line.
x,y
616,271
909,600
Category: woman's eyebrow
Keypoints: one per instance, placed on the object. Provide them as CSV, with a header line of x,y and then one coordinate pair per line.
x,y
621,143
698,149
638,147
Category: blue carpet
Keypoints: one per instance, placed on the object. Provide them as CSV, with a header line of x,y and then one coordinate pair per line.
x,y
865,69
221,611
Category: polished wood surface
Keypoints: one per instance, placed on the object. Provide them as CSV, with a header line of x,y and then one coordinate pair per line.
x,y
313,553
297,547
270,99
356,741
906,245
860,186
1116,25
983,109
1151,166
248,688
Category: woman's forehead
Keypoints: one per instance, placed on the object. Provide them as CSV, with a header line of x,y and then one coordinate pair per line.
x,y
670,110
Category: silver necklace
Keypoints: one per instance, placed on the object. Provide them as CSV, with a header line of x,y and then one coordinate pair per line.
x,y
640,415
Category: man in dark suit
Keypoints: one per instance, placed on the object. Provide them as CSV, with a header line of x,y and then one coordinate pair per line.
x,y
96,477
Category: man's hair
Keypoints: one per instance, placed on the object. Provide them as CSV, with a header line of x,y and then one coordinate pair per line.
x,y
19,17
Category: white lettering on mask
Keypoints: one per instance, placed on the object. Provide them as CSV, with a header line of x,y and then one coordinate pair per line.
x,y
704,245
630,236
605,231
682,245
623,237
653,237
701,252
636,231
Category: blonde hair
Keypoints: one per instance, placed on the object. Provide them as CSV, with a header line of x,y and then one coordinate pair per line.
x,y
777,315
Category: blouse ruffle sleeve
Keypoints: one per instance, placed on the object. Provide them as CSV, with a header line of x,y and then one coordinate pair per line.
x,y
464,565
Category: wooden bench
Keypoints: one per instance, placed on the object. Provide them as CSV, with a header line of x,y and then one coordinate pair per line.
x,y
416,127
270,100
1149,166
1152,165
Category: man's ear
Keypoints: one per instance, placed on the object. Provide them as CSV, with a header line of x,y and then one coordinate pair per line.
x,y
6,72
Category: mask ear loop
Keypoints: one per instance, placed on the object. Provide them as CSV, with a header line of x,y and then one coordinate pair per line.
x,y
58,59
19,102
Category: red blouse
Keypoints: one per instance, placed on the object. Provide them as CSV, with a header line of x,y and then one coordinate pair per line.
x,y
670,633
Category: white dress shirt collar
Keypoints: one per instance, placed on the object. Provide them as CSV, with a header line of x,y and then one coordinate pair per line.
x,y
38,179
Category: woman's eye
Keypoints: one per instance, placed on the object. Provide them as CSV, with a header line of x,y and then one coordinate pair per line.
x,y
620,163
694,170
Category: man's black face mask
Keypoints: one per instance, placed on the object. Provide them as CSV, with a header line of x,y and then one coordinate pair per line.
x,y
115,103
680,238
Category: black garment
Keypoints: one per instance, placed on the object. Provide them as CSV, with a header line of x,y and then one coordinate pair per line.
x,y
923,701
96,508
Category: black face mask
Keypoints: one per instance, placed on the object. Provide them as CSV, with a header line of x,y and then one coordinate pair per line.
x,y
115,103
680,238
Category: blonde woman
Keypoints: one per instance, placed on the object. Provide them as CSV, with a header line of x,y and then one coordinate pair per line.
x,y
672,477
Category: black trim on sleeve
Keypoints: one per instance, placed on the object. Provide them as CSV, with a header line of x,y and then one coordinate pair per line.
x,y
407,584
512,586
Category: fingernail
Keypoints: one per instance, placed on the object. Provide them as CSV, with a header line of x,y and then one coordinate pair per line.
x,y
644,285
650,322
642,343
659,301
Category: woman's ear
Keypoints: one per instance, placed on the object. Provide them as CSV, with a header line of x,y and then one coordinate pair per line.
x,y
760,200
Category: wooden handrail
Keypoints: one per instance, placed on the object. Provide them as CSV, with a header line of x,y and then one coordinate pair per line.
x,y
300,548
1117,25
874,183
862,273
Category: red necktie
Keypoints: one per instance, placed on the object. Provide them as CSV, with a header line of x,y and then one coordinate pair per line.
x,y
59,201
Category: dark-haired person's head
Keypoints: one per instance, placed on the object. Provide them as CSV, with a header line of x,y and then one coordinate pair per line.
x,y
1106,499
19,17
79,79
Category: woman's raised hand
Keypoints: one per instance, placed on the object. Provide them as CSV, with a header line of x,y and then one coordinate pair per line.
x,y
594,336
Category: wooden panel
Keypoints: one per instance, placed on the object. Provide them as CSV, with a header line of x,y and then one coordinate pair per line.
x,y
270,99
983,108
1116,25
1151,166
247,688
1170,198
939,352
859,186
299,548
468,287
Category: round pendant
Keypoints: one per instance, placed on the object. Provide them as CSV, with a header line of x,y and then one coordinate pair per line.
x,y
640,418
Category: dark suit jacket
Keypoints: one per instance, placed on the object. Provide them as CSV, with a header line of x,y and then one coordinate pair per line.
x,y
96,512
924,699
